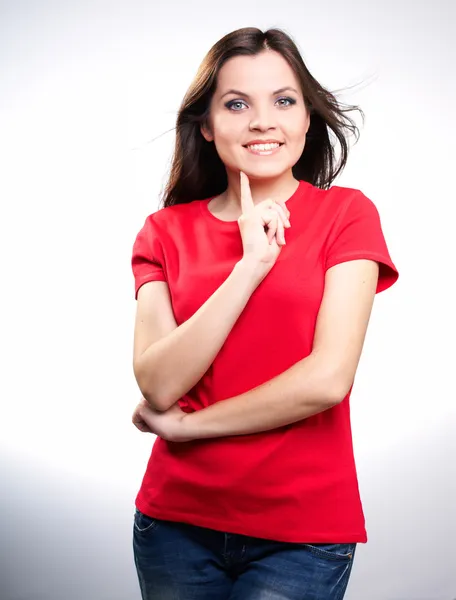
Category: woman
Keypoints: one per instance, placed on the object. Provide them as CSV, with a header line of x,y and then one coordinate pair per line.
x,y
254,289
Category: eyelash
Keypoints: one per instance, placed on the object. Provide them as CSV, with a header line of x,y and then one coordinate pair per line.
x,y
232,102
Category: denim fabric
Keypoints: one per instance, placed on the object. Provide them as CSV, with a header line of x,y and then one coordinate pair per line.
x,y
177,561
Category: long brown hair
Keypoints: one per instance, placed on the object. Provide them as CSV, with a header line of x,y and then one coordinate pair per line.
x,y
197,171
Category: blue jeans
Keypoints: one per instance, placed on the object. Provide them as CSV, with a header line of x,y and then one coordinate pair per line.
x,y
176,561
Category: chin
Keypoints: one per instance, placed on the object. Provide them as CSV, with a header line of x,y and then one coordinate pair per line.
x,y
265,172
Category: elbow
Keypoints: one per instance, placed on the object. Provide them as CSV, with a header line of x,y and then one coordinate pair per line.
x,y
334,384
157,401
331,397
151,392
338,396
154,402
339,388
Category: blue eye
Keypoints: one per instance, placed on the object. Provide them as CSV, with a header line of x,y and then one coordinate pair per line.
x,y
231,105
290,101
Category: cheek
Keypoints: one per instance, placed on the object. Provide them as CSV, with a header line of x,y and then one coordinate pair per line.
x,y
227,130
295,126
296,133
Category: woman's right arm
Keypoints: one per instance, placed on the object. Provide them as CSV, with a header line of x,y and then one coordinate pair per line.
x,y
168,360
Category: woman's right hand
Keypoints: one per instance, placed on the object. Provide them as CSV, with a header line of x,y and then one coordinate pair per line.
x,y
261,247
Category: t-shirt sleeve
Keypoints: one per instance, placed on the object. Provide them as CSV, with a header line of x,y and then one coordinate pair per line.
x,y
359,235
148,259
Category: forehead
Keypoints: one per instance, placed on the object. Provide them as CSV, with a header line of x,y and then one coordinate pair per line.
x,y
261,73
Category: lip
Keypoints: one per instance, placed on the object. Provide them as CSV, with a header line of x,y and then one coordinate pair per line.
x,y
264,152
262,142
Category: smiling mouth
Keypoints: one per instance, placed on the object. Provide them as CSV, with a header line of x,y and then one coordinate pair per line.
x,y
263,149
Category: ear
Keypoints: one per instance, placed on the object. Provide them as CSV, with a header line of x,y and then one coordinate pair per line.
x,y
206,132
308,122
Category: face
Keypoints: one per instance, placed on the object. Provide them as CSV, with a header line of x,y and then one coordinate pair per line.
x,y
258,120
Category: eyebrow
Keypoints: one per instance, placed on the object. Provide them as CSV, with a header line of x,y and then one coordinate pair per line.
x,y
279,91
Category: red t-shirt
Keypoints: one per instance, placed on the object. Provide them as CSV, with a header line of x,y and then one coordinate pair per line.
x,y
297,483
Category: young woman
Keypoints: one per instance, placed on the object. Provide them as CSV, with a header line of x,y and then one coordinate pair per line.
x,y
254,286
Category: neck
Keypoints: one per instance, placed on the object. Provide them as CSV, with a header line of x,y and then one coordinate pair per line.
x,y
275,188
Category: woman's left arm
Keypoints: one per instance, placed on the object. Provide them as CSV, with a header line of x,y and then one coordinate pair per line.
x,y
312,385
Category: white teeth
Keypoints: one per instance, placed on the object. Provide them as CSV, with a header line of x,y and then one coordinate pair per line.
x,y
263,147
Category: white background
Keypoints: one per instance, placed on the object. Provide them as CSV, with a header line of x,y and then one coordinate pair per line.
x,y
84,87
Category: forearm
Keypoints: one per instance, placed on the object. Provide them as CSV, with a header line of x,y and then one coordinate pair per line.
x,y
307,388
170,367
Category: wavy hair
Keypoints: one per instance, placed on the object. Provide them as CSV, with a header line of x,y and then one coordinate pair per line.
x,y
197,171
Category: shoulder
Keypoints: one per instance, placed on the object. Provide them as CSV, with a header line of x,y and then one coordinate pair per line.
x,y
336,195
344,196
345,202
168,227
166,217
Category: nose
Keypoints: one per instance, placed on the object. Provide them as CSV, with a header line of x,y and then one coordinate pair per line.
x,y
262,119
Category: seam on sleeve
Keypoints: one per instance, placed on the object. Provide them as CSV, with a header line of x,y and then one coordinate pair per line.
x,y
359,254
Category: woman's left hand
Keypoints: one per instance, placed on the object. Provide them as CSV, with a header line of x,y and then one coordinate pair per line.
x,y
168,425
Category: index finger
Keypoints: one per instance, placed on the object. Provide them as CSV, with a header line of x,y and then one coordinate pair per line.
x,y
246,196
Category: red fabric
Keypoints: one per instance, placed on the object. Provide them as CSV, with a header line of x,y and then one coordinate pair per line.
x,y
297,483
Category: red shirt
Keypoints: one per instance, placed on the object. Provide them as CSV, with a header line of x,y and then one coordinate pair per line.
x,y
297,483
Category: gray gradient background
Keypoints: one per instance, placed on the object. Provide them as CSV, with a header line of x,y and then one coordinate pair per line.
x,y
84,87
